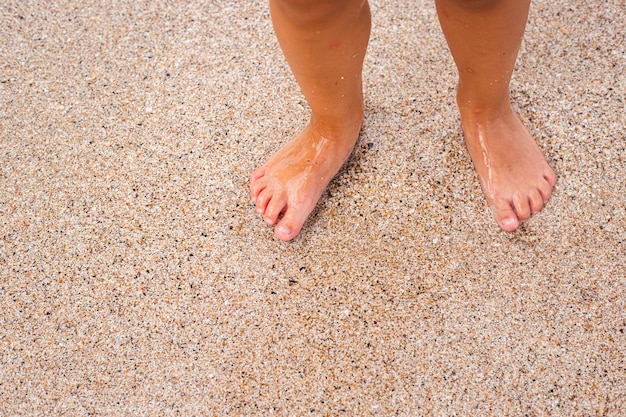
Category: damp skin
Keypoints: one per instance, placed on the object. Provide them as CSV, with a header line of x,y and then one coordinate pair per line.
x,y
325,41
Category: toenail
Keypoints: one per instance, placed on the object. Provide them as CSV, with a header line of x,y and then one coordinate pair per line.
x,y
259,210
283,230
509,221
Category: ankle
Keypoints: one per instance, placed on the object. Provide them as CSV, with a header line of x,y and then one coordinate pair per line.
x,y
477,109
472,102
348,124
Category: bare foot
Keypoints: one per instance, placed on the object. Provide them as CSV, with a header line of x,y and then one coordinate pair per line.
x,y
515,178
293,180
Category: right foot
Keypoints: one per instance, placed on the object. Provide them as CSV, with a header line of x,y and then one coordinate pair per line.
x,y
293,180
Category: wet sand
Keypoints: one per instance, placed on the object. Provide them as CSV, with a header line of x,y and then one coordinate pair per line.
x,y
137,279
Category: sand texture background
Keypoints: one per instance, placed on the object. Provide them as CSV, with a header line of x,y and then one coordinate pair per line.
x,y
136,278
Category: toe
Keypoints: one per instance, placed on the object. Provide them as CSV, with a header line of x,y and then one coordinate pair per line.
x,y
522,207
535,200
550,176
291,224
262,200
274,208
545,189
256,186
258,173
505,216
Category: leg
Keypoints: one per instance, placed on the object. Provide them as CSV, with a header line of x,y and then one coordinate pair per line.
x,y
324,42
484,37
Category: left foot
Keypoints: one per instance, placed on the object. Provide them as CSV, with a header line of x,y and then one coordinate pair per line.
x,y
515,178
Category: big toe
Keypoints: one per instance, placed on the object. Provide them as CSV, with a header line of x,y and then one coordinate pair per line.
x,y
291,223
505,216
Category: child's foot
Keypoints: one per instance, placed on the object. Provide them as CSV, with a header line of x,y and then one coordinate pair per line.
x,y
293,180
515,178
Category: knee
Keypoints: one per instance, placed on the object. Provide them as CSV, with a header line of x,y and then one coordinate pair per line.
x,y
307,13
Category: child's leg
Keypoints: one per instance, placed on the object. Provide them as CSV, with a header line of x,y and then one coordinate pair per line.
x,y
484,37
324,42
